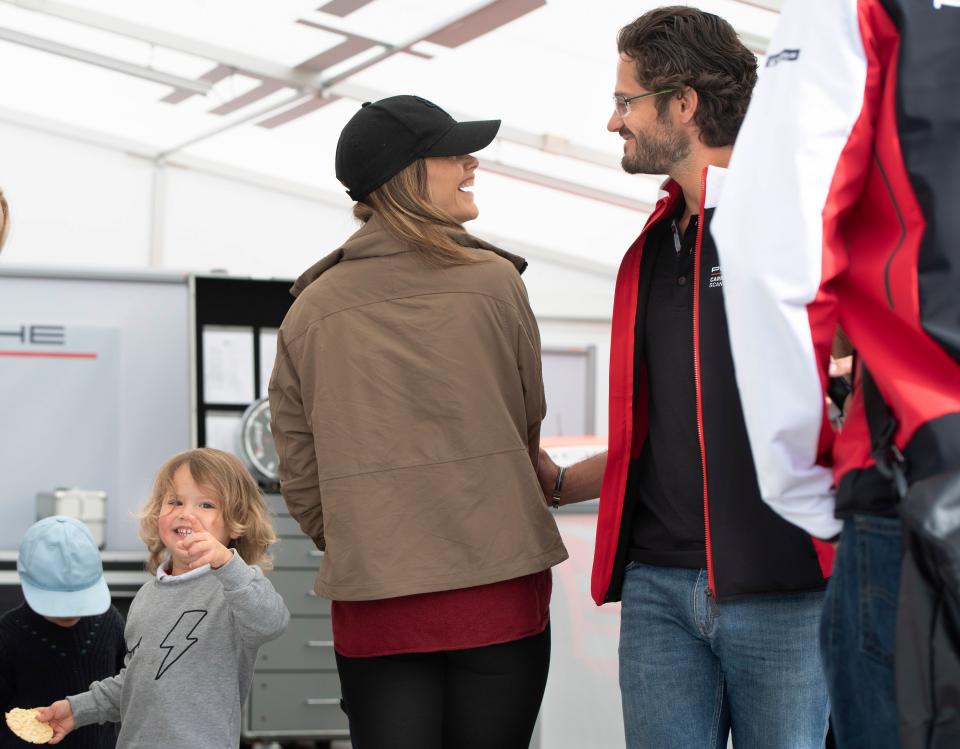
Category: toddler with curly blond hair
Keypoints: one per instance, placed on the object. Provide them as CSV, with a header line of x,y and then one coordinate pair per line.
x,y
193,631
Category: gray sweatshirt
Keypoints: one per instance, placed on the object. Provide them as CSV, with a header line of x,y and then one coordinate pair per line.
x,y
191,645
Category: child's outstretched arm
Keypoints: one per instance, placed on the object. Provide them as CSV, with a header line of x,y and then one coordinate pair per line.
x,y
59,716
100,704
259,613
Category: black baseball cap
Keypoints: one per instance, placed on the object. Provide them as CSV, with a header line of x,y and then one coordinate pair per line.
x,y
387,136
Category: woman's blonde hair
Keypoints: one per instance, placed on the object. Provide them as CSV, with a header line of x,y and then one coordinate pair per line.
x,y
403,202
4,219
244,510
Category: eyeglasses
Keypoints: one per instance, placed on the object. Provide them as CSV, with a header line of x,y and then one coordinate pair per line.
x,y
622,103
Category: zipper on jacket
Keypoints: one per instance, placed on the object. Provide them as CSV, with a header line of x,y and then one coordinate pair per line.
x,y
711,583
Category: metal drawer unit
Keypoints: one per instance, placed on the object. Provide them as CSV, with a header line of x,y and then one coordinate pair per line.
x,y
295,691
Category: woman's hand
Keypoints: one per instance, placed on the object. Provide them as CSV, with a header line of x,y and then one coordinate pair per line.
x,y
59,716
547,474
202,548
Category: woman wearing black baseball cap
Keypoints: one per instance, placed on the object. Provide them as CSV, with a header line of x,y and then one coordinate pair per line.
x,y
406,401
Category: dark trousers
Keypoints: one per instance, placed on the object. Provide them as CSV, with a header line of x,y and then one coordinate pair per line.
x,y
456,699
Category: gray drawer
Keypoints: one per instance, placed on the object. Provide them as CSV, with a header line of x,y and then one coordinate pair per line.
x,y
296,587
275,504
307,645
297,703
296,552
284,525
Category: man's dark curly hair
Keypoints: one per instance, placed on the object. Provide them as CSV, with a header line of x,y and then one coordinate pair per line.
x,y
677,46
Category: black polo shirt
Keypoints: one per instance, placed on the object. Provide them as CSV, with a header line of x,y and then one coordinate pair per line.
x,y
668,527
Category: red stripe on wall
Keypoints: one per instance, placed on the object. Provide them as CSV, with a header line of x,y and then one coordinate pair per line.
x,y
50,354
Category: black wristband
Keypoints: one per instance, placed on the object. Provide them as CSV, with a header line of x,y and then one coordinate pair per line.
x,y
558,487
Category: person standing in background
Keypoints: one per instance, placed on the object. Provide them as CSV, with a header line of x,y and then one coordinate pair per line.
x,y
406,404
66,634
841,208
720,596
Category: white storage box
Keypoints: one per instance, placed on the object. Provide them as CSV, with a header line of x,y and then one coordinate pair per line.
x,y
86,505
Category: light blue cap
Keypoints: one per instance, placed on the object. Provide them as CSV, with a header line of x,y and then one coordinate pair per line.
x,y
60,569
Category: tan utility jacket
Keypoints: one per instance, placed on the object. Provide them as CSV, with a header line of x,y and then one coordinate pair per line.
x,y
406,404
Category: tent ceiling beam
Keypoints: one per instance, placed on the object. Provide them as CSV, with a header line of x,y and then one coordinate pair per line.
x,y
259,67
102,61
307,83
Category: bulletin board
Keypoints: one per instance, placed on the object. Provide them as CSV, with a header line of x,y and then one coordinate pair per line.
x,y
235,332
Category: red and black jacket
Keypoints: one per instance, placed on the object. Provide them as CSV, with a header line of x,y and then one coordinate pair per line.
x,y
842,207
750,550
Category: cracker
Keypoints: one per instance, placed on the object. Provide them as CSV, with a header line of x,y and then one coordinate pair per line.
x,y
23,722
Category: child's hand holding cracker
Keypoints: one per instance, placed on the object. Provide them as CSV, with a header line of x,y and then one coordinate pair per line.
x,y
59,716
201,548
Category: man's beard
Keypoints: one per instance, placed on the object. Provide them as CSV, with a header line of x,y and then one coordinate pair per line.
x,y
656,152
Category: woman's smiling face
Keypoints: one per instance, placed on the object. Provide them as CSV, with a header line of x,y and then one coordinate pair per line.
x,y
449,182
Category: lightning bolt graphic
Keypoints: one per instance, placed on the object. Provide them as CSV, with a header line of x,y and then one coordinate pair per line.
x,y
178,640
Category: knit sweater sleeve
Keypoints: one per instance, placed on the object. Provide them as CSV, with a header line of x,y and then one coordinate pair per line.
x,y
99,704
259,613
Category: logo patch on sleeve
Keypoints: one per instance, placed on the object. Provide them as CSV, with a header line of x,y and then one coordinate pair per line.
x,y
786,55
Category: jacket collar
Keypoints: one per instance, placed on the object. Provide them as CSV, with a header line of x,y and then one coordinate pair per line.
x,y
671,194
374,240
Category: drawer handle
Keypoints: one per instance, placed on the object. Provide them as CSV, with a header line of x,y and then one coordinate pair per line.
x,y
323,701
312,594
319,643
315,553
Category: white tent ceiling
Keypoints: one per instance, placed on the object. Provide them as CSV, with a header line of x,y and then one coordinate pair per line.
x,y
259,90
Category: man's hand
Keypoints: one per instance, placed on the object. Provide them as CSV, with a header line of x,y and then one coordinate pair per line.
x,y
59,716
202,548
547,473
842,367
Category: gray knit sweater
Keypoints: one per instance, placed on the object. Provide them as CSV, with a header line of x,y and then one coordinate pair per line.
x,y
191,647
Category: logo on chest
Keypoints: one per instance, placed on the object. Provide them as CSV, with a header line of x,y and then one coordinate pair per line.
x,y
716,278
180,638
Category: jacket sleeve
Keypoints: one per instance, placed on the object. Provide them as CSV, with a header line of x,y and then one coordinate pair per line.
x,y
798,165
259,613
530,364
299,477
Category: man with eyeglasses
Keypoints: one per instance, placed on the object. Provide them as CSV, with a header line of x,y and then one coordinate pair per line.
x,y
721,597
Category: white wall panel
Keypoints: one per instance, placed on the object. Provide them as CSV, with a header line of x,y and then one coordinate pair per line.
x,y
556,334
215,222
72,203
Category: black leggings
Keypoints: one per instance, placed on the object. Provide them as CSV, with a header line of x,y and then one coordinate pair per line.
x,y
456,699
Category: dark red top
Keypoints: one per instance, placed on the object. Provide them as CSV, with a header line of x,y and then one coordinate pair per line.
x,y
446,620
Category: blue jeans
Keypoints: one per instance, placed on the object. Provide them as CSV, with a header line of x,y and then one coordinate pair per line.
x,y
858,632
692,670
